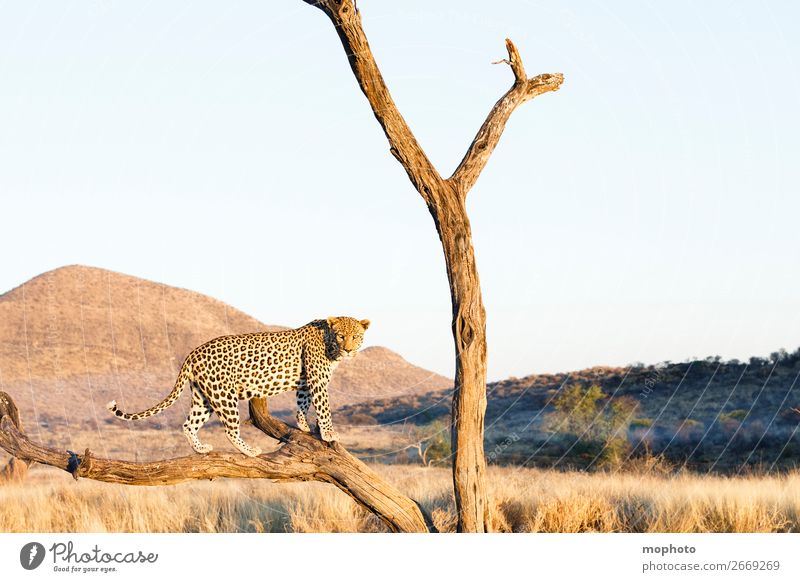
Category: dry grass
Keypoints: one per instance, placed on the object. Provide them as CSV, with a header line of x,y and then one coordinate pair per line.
x,y
526,500
631,502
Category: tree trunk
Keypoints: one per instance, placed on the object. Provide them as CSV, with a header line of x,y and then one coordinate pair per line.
x,y
446,200
469,395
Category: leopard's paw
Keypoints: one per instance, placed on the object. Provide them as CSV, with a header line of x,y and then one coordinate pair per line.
x,y
251,451
302,422
329,435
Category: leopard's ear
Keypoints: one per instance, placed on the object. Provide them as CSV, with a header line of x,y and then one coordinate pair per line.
x,y
332,321
364,323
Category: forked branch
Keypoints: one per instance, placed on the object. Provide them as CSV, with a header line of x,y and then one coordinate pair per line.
x,y
403,144
301,457
482,146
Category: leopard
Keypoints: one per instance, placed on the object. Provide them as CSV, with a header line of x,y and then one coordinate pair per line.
x,y
231,368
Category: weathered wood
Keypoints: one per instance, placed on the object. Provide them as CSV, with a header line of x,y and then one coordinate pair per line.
x,y
404,145
349,474
484,142
9,408
301,457
15,469
446,203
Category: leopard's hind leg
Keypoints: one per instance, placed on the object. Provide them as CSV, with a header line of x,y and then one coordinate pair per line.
x,y
229,415
198,415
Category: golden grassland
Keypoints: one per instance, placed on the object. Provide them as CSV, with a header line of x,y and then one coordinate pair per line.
x,y
525,500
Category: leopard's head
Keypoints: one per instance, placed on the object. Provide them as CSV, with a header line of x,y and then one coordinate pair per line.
x,y
346,335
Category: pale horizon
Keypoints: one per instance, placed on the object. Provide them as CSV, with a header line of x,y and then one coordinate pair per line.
x,y
647,211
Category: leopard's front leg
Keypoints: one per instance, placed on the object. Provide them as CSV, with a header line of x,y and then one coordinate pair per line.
x,y
317,369
303,403
319,396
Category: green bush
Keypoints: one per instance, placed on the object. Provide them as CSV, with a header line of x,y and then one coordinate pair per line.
x,y
598,426
737,414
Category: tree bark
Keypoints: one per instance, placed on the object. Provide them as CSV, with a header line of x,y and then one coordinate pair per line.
x,y
301,457
15,469
446,200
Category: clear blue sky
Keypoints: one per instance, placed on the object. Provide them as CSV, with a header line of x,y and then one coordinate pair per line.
x,y
647,211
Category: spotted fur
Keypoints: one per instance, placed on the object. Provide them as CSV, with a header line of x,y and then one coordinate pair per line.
x,y
240,367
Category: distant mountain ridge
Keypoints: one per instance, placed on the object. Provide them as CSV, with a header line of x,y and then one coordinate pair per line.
x,y
703,413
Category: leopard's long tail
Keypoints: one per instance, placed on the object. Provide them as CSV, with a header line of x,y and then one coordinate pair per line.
x,y
184,376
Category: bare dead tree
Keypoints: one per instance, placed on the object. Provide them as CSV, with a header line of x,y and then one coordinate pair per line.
x,y
300,457
421,446
446,201
429,442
